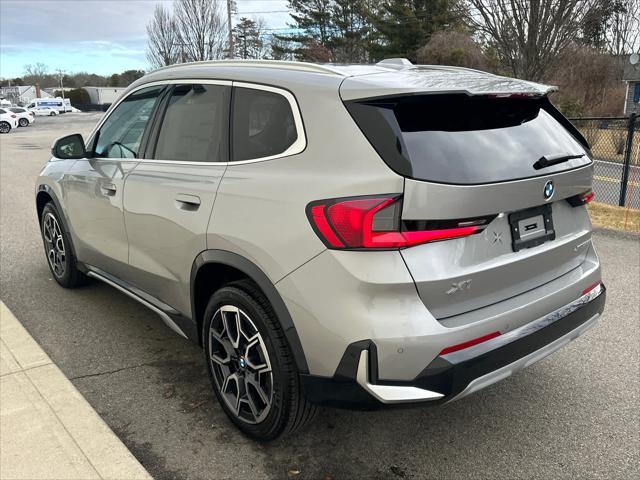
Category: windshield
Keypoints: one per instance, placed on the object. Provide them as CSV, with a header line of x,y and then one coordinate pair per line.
x,y
463,139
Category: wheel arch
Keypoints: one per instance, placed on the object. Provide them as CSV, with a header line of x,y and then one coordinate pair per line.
x,y
44,195
213,268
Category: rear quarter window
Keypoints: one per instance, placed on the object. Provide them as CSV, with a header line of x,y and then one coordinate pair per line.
x,y
263,124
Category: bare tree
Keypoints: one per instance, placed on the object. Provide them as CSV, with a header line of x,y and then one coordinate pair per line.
x,y
36,73
201,29
162,43
623,27
528,35
454,48
263,48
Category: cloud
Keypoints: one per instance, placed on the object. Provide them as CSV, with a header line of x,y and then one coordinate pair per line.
x,y
104,36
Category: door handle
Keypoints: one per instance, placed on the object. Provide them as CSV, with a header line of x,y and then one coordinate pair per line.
x,y
186,202
108,189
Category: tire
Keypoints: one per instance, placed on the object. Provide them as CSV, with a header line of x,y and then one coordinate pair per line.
x,y
52,114
277,405
5,127
58,251
23,122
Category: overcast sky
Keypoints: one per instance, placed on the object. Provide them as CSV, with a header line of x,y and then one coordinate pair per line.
x,y
98,36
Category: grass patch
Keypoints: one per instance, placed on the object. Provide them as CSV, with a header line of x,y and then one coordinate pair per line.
x,y
608,216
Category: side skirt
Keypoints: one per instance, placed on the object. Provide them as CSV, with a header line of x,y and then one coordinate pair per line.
x,y
177,322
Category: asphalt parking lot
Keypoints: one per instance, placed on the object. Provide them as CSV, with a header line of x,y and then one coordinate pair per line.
x,y
576,414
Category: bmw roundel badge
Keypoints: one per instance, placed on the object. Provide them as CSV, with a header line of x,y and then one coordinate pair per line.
x,y
548,190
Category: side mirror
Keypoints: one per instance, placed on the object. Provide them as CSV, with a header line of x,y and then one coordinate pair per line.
x,y
69,147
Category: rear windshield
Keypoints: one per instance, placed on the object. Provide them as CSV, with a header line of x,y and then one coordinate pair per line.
x,y
463,139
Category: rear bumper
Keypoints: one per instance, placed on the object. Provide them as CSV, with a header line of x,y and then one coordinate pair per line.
x,y
452,376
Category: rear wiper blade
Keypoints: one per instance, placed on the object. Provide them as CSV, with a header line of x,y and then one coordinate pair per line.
x,y
549,160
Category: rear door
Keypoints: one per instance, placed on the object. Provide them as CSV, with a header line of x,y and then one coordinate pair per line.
x,y
169,195
504,165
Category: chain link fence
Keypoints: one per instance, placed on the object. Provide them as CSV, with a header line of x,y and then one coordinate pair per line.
x,y
615,145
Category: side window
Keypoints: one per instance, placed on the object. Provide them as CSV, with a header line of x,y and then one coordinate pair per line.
x,y
263,124
120,135
195,126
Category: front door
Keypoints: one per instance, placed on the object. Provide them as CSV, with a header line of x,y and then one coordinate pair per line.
x,y
169,195
95,187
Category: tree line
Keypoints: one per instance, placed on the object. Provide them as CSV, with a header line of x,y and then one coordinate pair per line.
x,y
579,45
40,74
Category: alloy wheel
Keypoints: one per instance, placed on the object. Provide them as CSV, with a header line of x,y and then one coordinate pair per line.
x,y
240,364
54,244
4,127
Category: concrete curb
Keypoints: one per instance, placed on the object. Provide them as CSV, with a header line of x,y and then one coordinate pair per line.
x,y
47,429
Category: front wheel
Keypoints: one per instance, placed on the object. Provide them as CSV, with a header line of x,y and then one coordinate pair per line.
x,y
5,127
23,122
52,114
57,247
250,364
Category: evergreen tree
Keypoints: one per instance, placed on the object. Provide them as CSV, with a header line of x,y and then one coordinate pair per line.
x,y
403,26
247,39
351,21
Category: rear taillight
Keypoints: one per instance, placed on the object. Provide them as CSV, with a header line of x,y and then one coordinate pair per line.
x,y
374,222
14,116
582,198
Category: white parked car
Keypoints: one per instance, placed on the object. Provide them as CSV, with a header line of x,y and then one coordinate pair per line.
x,y
8,121
25,117
44,111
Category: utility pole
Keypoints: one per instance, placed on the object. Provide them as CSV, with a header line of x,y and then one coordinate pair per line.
x,y
230,8
61,74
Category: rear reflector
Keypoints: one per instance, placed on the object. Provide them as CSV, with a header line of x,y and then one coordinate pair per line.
x,y
470,343
591,287
374,222
582,198
587,197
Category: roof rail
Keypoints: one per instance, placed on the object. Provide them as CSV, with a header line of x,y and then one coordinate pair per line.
x,y
281,64
397,63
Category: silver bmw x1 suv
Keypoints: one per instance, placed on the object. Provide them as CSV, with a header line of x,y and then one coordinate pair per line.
x,y
355,236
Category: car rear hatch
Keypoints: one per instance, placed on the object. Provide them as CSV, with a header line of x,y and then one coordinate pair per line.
x,y
499,162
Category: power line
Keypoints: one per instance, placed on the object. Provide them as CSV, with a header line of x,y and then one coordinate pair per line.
x,y
264,11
